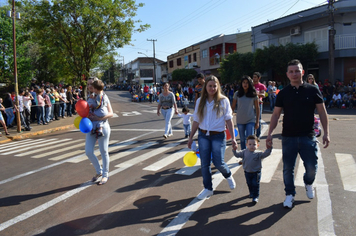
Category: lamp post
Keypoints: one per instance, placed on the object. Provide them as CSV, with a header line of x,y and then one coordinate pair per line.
x,y
15,16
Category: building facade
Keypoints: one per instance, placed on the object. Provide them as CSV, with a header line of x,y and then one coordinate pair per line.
x,y
314,25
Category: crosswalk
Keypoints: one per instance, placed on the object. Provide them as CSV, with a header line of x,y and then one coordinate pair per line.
x,y
59,149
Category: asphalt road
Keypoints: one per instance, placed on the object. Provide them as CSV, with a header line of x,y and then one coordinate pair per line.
x,y
45,187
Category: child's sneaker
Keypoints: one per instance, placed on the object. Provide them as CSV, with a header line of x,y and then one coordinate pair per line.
x,y
255,200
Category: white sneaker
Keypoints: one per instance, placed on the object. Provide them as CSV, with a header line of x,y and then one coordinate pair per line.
x,y
231,182
164,136
255,200
169,135
310,191
289,201
206,193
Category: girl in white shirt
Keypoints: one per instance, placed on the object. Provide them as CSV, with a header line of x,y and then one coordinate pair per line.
x,y
212,114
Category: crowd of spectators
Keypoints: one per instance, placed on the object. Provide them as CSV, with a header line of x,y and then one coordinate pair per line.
x,y
339,95
40,103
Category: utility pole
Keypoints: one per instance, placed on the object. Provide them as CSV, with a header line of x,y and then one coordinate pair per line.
x,y
154,60
331,41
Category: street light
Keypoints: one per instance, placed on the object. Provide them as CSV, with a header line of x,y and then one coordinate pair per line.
x,y
15,16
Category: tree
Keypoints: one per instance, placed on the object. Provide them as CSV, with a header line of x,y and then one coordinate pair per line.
x,y
23,44
235,65
184,75
275,58
80,32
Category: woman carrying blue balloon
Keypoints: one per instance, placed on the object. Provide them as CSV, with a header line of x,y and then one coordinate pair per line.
x,y
103,141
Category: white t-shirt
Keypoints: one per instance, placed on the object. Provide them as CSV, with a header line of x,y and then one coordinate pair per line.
x,y
186,118
212,122
27,102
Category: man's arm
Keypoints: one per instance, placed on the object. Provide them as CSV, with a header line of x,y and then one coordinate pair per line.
x,y
320,107
272,125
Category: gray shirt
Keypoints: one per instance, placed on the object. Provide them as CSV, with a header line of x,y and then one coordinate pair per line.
x,y
167,101
245,109
252,161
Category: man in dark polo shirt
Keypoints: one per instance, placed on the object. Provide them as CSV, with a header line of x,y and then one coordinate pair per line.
x,y
298,101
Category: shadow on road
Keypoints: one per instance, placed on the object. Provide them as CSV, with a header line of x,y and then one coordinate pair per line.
x,y
16,200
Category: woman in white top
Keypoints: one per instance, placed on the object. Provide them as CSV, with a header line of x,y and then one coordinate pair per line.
x,y
167,101
62,103
212,114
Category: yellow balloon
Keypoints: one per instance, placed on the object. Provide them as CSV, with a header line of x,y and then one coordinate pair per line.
x,y
190,158
177,94
266,94
77,121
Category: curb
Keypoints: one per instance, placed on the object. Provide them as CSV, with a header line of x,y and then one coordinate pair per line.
x,y
32,134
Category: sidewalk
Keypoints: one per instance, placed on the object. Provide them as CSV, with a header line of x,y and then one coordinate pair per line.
x,y
62,124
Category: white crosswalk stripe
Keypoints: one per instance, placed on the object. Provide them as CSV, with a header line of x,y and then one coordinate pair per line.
x,y
22,144
50,147
23,148
83,157
56,150
15,143
347,166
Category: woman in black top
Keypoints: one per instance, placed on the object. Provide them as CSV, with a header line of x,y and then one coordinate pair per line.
x,y
9,110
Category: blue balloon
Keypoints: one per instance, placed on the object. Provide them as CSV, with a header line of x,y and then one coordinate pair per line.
x,y
180,95
85,125
157,100
198,153
236,132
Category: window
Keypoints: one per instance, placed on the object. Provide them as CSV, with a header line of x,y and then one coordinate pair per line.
x,y
194,57
262,44
320,37
231,49
205,53
189,58
146,73
171,64
179,61
284,40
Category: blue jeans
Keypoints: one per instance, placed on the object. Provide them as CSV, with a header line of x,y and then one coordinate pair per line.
x,y
244,131
69,109
212,147
253,183
62,109
41,115
308,150
10,115
103,142
167,115
186,129
47,114
272,101
258,132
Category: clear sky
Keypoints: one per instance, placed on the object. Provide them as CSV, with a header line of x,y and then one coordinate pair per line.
x,y
179,24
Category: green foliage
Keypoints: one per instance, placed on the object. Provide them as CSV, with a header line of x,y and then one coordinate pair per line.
x,y
269,59
276,58
234,66
77,33
24,68
184,75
